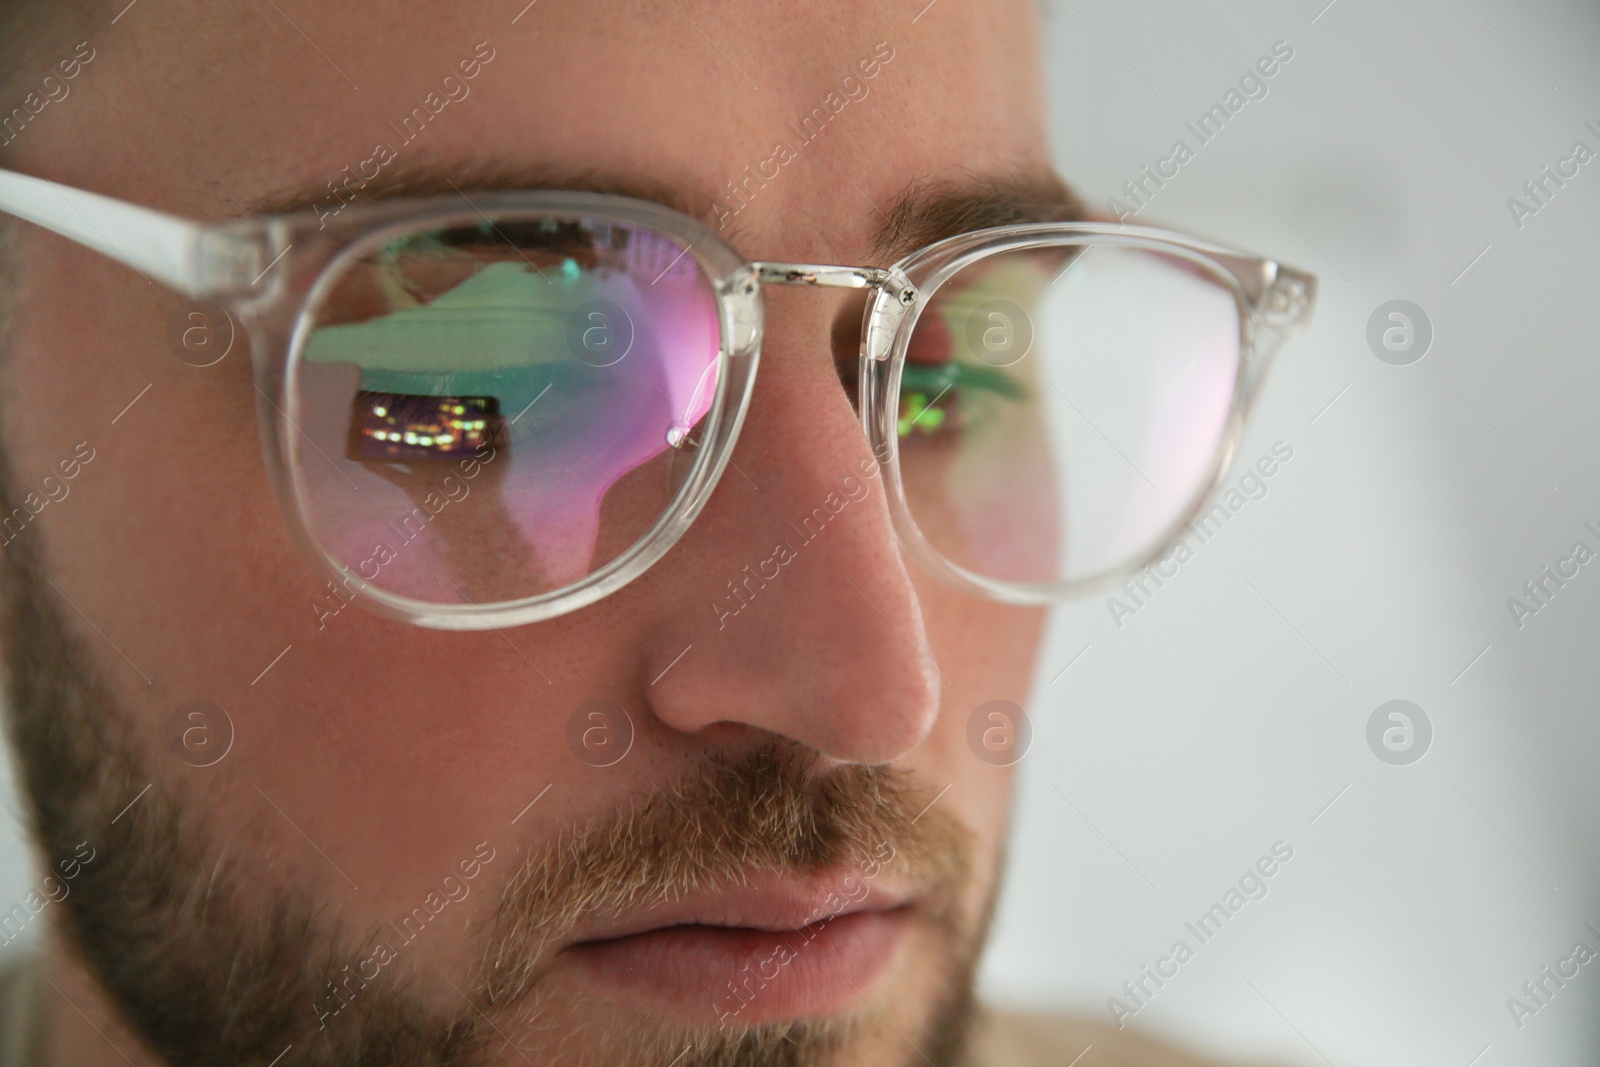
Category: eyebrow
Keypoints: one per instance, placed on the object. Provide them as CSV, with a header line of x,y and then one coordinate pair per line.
x,y
445,177
924,211
928,210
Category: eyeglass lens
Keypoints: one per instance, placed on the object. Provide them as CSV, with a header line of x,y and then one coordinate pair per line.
x,y
1061,408
490,412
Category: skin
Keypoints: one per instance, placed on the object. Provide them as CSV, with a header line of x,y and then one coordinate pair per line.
x,y
396,749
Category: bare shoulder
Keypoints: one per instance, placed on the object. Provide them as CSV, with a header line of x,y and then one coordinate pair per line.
x,y
1017,1039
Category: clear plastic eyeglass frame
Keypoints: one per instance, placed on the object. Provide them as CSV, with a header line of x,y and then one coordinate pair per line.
x,y
270,272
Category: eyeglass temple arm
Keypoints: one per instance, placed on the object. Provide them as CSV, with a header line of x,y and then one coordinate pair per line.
x,y
193,258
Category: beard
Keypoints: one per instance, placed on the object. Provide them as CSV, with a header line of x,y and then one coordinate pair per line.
x,y
209,966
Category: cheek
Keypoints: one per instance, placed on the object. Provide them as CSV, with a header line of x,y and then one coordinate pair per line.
x,y
987,651
172,544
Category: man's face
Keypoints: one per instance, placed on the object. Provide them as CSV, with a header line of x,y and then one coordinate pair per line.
x,y
794,855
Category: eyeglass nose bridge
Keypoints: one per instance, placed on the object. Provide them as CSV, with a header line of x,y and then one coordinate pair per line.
x,y
884,316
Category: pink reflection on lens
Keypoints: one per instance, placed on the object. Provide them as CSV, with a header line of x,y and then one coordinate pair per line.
x,y
584,375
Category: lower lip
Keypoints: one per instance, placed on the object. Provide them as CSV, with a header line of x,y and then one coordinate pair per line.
x,y
742,976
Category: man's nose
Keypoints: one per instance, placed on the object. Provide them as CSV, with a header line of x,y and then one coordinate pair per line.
x,y
790,588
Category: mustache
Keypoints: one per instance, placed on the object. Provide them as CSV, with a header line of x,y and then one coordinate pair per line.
x,y
766,811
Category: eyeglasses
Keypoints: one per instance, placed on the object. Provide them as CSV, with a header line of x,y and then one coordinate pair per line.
x,y
494,411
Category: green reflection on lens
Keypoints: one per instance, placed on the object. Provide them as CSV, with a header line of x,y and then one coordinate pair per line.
x,y
956,384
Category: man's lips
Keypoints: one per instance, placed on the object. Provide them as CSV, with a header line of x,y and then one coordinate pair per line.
x,y
773,949
766,903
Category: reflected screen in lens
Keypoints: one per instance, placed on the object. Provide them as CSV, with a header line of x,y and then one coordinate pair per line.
x,y
1062,408
494,411
389,426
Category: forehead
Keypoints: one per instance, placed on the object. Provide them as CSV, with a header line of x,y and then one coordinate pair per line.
x,y
210,109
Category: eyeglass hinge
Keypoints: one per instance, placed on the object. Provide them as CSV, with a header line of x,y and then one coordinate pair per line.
x,y
1287,298
226,264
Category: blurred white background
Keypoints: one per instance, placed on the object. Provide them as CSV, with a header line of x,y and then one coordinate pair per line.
x,y
1230,713
1178,748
